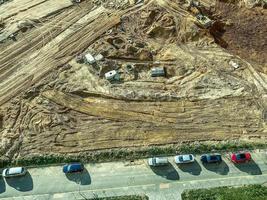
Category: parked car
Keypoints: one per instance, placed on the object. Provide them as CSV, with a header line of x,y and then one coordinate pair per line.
x,y
158,161
73,167
14,171
241,157
188,158
211,158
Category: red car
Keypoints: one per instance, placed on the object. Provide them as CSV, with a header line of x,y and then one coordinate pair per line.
x,y
240,157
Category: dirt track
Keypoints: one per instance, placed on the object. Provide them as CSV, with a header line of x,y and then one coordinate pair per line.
x,y
52,104
49,55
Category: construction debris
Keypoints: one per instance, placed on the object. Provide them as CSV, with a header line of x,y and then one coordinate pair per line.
x,y
130,68
158,72
234,64
78,78
80,59
89,58
99,57
112,75
24,24
76,1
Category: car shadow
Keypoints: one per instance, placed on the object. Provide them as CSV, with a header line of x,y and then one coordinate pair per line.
x,y
166,171
82,178
2,185
250,167
192,168
219,168
22,183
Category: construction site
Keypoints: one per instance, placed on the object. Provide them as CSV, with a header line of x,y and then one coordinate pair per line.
x,y
92,75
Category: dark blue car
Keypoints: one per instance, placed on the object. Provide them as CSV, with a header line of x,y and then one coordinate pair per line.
x,y
211,158
73,167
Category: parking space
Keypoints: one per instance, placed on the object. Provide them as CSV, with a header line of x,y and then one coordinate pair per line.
x,y
122,178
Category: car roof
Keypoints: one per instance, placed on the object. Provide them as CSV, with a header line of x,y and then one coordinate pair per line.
x,y
186,157
213,156
161,159
75,165
15,170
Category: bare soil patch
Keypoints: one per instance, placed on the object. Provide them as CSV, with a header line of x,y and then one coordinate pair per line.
x,y
55,104
242,31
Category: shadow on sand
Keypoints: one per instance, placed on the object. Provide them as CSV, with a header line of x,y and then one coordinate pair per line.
x,y
23,183
166,171
219,168
82,178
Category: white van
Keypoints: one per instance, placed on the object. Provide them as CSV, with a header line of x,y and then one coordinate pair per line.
x,y
158,161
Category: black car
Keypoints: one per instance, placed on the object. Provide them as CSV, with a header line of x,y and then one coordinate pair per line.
x,y
73,167
211,158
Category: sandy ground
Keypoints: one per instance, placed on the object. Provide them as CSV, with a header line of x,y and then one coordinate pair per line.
x,y
50,103
28,12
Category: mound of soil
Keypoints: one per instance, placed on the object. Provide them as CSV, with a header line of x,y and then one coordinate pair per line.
x,y
243,31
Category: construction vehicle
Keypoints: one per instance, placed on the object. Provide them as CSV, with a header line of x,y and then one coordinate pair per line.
x,y
204,21
193,7
197,11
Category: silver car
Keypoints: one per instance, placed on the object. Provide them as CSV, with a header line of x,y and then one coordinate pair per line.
x,y
187,158
14,171
157,161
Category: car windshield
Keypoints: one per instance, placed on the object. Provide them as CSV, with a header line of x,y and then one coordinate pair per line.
x,y
213,157
241,156
181,158
74,167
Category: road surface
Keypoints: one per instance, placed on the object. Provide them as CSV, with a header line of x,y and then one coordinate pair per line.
x,y
126,178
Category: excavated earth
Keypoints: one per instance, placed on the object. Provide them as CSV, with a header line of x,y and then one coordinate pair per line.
x,y
51,104
245,32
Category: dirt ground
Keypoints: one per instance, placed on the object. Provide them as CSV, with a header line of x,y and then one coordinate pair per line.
x,y
245,33
215,86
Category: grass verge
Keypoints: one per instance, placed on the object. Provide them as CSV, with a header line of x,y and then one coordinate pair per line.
x,y
131,154
247,192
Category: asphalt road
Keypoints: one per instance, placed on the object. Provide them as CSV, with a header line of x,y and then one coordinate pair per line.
x,y
126,178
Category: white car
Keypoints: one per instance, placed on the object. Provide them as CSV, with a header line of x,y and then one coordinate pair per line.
x,y
187,158
157,161
14,171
